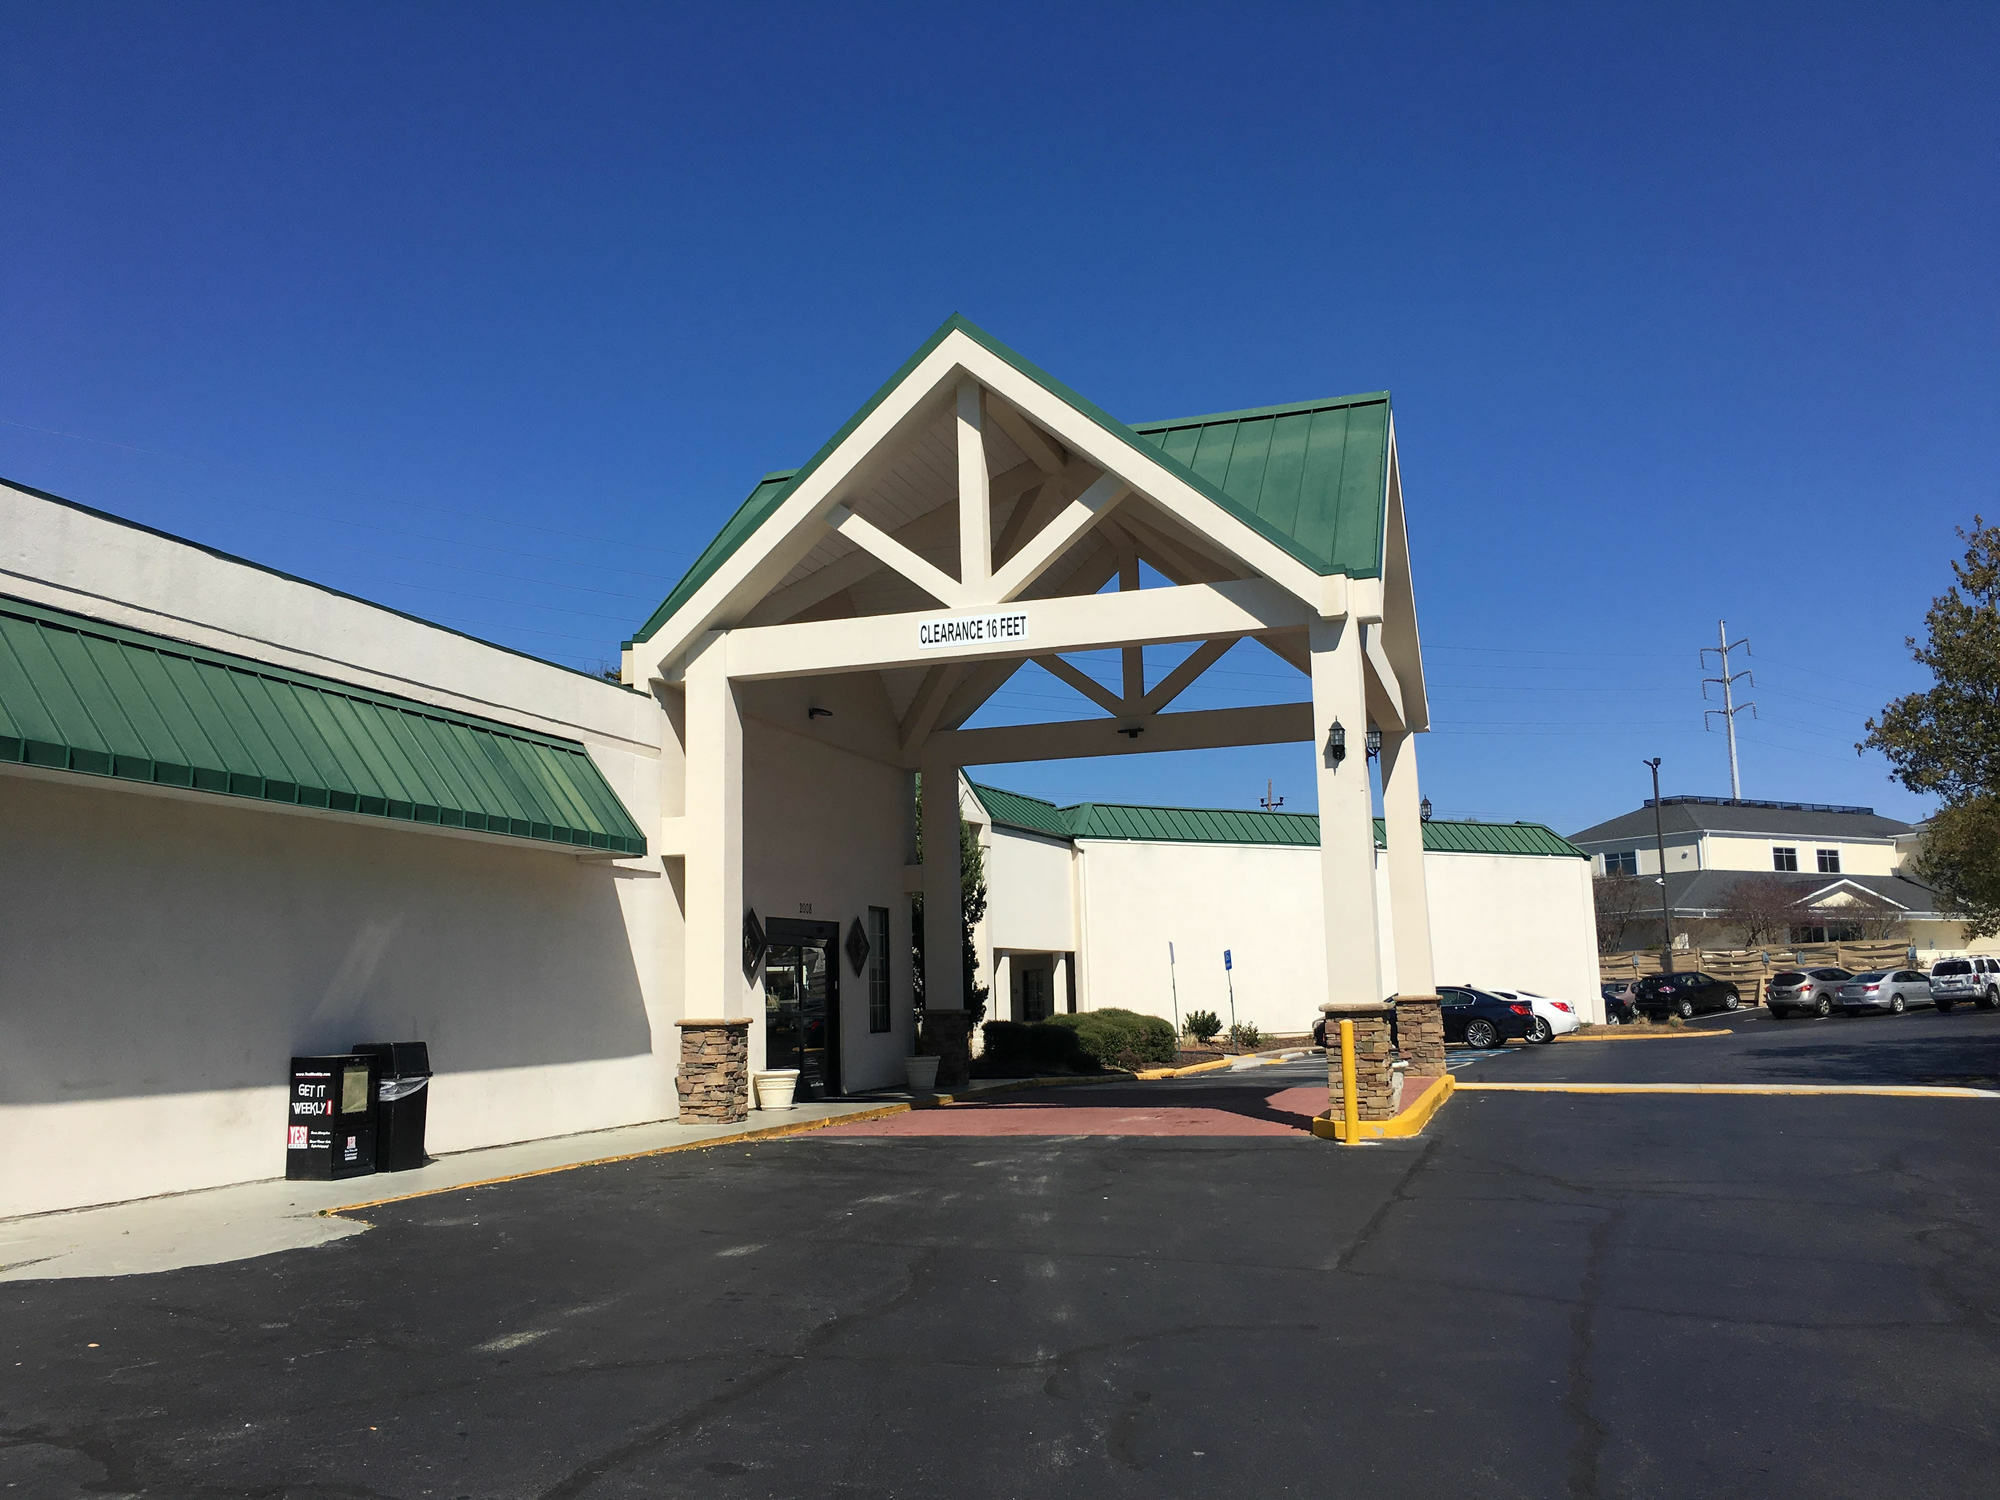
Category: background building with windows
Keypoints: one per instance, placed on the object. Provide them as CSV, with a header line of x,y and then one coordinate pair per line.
x,y
1750,874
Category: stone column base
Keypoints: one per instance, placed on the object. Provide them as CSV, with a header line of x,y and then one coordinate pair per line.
x,y
714,1080
947,1036
1420,1034
1377,1086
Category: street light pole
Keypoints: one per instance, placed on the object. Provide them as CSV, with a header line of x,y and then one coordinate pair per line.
x,y
1660,841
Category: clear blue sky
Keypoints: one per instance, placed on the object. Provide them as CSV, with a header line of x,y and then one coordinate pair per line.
x,y
494,313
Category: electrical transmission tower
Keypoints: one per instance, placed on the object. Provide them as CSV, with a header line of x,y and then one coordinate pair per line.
x,y
1730,707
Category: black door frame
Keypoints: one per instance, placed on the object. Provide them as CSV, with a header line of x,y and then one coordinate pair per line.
x,y
797,932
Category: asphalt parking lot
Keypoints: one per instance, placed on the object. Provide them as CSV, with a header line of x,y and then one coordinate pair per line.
x,y
1549,1294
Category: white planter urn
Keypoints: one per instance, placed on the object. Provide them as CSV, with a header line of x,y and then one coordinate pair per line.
x,y
921,1074
776,1088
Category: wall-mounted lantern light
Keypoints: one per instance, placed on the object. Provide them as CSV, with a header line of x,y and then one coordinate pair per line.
x,y
1336,743
1373,740
1424,809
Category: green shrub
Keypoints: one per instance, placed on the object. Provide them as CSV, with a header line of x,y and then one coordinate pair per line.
x,y
1018,1044
1246,1035
1202,1025
1123,1038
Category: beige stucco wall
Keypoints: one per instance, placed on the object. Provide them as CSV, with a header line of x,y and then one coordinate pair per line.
x,y
824,839
1515,923
1726,851
163,957
1683,853
1039,912
1504,921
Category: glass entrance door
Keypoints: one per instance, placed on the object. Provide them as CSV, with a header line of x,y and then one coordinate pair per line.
x,y
802,1008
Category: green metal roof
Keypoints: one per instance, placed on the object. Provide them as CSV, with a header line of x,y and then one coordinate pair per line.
x,y
1315,475
1225,825
80,695
1012,810
1311,477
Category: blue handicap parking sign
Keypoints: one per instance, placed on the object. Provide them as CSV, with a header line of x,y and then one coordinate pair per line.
x,y
1225,960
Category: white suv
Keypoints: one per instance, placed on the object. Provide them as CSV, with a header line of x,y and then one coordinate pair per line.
x,y
1974,979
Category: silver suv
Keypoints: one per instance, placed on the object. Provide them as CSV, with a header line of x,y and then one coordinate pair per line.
x,y
1974,979
1809,992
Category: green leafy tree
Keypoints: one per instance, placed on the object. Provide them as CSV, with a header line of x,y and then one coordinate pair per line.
x,y
972,908
1945,740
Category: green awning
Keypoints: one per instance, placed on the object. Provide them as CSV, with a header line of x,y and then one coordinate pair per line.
x,y
80,695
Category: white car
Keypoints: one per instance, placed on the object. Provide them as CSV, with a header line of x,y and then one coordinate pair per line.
x,y
1552,1018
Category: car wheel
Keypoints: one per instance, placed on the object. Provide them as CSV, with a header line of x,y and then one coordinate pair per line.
x,y
1823,1007
1684,1008
1731,1001
1991,1001
1539,1030
1481,1034
1895,1005
1943,1005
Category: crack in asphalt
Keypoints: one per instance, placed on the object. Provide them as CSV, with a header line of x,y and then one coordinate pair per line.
x,y
1587,1448
776,1368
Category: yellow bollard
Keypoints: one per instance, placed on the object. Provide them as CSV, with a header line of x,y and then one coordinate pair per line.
x,y
1350,1106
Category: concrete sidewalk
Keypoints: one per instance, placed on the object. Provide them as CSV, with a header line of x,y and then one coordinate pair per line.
x,y
248,1219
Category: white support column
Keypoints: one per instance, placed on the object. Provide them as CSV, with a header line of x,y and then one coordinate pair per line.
x,y
1059,986
1346,814
1000,1004
944,979
713,825
975,493
1409,901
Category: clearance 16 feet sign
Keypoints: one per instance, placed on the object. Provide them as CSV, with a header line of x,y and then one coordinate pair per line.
x,y
1001,627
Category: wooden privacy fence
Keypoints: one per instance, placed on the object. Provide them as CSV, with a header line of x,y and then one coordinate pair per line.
x,y
1752,966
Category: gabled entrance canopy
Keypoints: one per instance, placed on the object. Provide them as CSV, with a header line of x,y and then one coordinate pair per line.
x,y
975,515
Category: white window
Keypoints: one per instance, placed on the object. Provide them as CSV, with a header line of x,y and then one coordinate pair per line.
x,y
878,968
1622,862
1784,857
1829,861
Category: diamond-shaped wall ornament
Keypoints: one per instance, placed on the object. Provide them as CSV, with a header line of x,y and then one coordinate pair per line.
x,y
753,943
857,946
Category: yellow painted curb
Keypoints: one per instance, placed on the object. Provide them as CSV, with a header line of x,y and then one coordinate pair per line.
x,y
764,1133
1646,1036
1149,1075
1886,1090
1411,1121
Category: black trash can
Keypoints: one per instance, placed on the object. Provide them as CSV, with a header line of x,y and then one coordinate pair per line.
x,y
330,1122
403,1093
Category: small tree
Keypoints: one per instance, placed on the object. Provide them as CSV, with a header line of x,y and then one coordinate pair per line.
x,y
1203,1025
1857,919
1945,740
1762,908
1618,899
972,908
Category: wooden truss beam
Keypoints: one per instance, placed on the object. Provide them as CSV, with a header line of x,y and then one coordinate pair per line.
x,y
1205,729
1031,627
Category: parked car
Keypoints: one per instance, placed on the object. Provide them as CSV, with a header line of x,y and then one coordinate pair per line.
x,y
1804,991
1618,1007
1893,990
1974,979
1551,1018
1659,995
1325,1033
1480,1019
